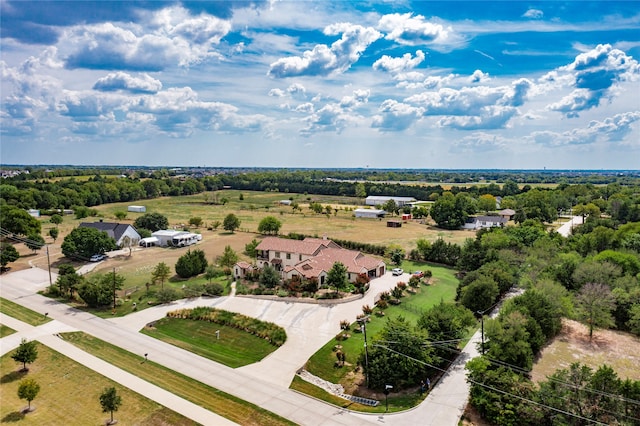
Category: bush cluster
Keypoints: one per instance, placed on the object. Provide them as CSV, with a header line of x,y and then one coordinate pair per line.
x,y
271,332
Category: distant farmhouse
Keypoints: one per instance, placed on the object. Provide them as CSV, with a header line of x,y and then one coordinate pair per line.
x,y
378,200
481,222
310,258
117,231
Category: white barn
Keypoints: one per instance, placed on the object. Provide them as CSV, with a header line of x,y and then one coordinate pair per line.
x,y
377,200
137,209
370,213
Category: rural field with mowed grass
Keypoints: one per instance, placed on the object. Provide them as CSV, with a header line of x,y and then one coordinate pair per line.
x,y
70,395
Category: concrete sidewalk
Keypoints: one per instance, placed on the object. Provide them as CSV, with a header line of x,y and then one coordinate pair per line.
x,y
308,326
45,334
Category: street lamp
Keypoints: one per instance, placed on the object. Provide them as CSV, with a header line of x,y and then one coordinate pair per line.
x,y
363,327
386,395
481,313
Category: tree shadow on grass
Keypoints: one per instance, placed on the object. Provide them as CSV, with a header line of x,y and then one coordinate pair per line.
x,y
13,376
14,416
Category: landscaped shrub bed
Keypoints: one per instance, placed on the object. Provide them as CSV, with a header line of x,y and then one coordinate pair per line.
x,y
269,331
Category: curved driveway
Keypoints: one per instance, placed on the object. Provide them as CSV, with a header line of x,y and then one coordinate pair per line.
x,y
308,326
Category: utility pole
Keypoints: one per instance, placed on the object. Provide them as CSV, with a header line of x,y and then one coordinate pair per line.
x,y
49,267
481,313
114,290
363,325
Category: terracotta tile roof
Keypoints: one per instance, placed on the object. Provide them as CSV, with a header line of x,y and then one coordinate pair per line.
x,y
308,246
244,265
355,262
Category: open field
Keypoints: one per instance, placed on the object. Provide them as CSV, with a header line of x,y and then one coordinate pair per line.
x,y
69,394
226,405
254,207
620,351
21,313
234,349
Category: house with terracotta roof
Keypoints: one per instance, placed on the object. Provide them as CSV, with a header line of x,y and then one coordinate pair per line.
x,y
311,258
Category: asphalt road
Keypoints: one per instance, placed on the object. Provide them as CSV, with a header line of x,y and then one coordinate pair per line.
x,y
308,326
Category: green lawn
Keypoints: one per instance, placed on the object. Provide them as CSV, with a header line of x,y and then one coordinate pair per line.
x,y
5,331
228,406
69,395
235,348
442,288
21,313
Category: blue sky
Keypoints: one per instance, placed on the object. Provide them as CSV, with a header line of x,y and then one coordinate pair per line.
x,y
389,84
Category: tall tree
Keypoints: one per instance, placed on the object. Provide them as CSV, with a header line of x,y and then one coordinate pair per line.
x,y
110,401
337,276
595,304
28,389
447,213
231,222
398,356
84,242
160,273
152,221
18,221
26,353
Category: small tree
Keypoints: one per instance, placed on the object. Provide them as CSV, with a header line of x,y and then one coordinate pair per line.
x,y
56,219
26,353
269,277
160,273
195,221
53,233
250,248
120,214
229,257
231,223
8,253
215,224
35,242
110,401
28,389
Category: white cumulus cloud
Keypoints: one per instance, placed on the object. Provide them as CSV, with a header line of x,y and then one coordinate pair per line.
x,y
143,83
324,60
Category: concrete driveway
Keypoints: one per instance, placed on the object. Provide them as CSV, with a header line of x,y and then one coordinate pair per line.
x,y
308,326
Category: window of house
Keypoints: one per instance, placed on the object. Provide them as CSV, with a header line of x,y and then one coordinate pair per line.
x,y
278,254
300,257
288,256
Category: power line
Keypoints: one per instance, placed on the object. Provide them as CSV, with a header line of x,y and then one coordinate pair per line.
x,y
499,390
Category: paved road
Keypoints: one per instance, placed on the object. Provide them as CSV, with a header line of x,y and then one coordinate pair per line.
x,y
567,228
309,326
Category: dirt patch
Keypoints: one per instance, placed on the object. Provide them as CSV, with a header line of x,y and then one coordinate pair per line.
x,y
619,350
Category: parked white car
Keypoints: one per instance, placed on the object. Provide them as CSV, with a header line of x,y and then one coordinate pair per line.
x,y
397,271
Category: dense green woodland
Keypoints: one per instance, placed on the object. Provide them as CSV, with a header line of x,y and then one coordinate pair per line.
x,y
591,276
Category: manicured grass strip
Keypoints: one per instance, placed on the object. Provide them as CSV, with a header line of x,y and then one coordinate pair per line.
x,y
396,403
5,331
229,406
235,348
442,288
21,313
69,395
